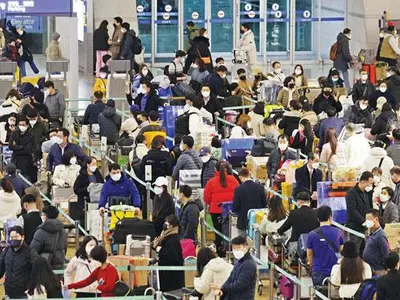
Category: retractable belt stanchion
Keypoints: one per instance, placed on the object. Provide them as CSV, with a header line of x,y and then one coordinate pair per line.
x,y
8,78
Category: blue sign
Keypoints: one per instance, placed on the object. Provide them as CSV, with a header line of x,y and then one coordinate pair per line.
x,y
36,7
32,24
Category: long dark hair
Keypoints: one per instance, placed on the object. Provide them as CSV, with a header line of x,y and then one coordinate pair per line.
x,y
222,169
308,131
7,185
331,138
351,270
201,64
42,275
104,24
203,258
276,211
81,252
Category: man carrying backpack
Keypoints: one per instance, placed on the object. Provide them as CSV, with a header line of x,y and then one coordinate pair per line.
x,y
130,46
189,159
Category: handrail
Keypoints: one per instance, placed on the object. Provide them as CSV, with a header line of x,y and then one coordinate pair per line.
x,y
237,107
226,122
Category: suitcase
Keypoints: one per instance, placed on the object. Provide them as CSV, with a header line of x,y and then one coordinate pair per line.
x,y
235,150
135,227
272,110
239,56
138,246
191,178
252,219
371,69
190,275
119,212
183,89
269,91
286,287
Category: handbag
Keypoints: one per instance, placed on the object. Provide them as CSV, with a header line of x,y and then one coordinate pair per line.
x,y
94,190
50,256
205,59
121,289
188,248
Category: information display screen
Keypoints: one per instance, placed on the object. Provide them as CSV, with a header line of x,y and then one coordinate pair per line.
x,y
36,7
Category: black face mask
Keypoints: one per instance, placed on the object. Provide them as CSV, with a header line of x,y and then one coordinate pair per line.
x,y
15,243
241,31
327,93
291,85
242,77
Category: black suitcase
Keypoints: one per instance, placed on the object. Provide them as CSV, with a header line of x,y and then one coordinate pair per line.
x,y
182,89
134,226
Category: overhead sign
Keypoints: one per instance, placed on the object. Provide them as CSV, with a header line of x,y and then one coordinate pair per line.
x,y
36,7
31,24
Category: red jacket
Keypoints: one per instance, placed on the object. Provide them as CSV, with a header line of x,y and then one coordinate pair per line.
x,y
215,194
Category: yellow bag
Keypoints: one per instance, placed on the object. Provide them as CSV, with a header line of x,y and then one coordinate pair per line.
x,y
119,212
259,216
287,191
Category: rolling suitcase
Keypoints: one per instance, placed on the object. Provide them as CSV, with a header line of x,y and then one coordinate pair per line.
x,y
252,216
134,227
235,150
182,89
138,246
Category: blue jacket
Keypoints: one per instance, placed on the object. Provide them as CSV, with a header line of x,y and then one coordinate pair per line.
x,y
55,155
19,184
124,188
92,112
242,281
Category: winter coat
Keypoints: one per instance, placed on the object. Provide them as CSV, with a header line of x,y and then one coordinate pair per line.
x,y
393,86
241,283
11,105
152,102
127,45
283,97
189,220
55,155
358,203
332,122
219,86
16,265
373,98
212,105
44,241
92,113
215,193
39,131
130,126
199,77
152,130
138,153
22,147
192,33
216,271
10,204
201,48
208,171
79,269
290,122
310,116
110,124
160,162
248,44
82,182
65,175
336,160
188,160
393,151
116,42
363,91
56,105
321,103
343,56
355,115
257,124
381,122
100,39
357,149
164,211
5,133
376,155
122,188
274,160
41,109
18,184
389,214
53,51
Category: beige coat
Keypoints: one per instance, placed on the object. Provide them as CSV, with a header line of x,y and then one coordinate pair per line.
x,y
116,42
248,44
53,51
2,40
257,124
284,98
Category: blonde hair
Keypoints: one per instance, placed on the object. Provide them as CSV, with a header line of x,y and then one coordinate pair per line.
x,y
243,119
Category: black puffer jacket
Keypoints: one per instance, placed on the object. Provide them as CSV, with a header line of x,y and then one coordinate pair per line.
x,y
160,162
189,220
44,241
110,124
363,90
290,122
343,56
100,39
355,115
275,158
82,182
393,85
127,45
16,265
382,121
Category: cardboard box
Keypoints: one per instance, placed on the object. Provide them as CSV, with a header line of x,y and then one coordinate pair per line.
x,y
139,278
258,167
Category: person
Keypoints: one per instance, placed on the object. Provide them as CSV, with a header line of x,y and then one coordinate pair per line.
x,y
31,219
242,280
388,210
189,214
110,123
148,100
50,140
274,219
7,128
170,254
38,130
393,151
44,283
10,202
153,129
116,40
137,154
219,61
36,102
343,56
197,114
163,204
242,128
382,91
26,55
218,190
245,85
210,102
16,264
218,83
333,152
279,156
349,272
309,114
326,99
189,159
21,144
390,50
2,39
276,74
288,93
358,202
18,183
210,270
257,118
309,175
209,165
323,246
271,130
331,122
302,220
303,137
50,239
117,184
387,285
54,101
357,147
334,79
81,266
300,78
66,173
159,160
100,84
359,113
376,244
100,44
144,75
176,68
192,31
128,44
38,196
291,119
393,82
249,195
106,274
200,51
363,88
378,158
395,175
130,126
61,146
248,44
53,51
94,109
12,103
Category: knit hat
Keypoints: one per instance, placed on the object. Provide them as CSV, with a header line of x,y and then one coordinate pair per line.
x,y
11,168
349,250
55,36
110,103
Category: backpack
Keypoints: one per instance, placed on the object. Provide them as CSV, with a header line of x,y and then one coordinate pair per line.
x,y
263,147
182,124
166,69
137,45
333,51
121,289
367,289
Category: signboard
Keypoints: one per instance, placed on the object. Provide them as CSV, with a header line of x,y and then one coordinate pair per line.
x,y
36,7
32,24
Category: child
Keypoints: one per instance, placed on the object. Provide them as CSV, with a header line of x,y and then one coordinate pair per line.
x,y
100,84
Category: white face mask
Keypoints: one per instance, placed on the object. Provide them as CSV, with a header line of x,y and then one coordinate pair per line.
x,y
116,177
206,94
72,161
377,179
283,147
195,66
205,159
59,140
89,247
298,72
363,106
22,128
223,76
383,89
388,74
368,224
158,190
315,165
54,138
368,188
384,198
145,72
334,79
238,254
278,71
32,122
103,75
182,147
46,93
364,77
92,168
381,35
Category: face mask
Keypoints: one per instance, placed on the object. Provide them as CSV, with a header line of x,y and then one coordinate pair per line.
x,y
368,189
158,190
298,72
54,138
205,159
205,35
334,79
182,147
22,128
103,75
327,93
92,168
388,74
283,147
242,77
384,198
165,226
238,254
11,122
383,89
223,76
195,66
46,93
205,94
277,71
369,224
43,218
315,165
363,106
183,60
32,122
291,85
116,177
59,140
15,243
72,161
145,72
88,249
364,77
122,30
377,179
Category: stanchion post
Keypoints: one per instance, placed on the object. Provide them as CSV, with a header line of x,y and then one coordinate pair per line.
x,y
203,232
244,110
216,114
131,275
77,234
271,282
148,200
297,154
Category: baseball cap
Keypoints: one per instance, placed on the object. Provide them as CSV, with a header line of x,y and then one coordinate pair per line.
x,y
204,151
160,181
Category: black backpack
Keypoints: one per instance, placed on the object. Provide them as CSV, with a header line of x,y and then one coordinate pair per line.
x,y
137,45
182,124
135,227
263,147
121,289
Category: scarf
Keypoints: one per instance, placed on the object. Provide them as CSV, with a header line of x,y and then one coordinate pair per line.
x,y
164,234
